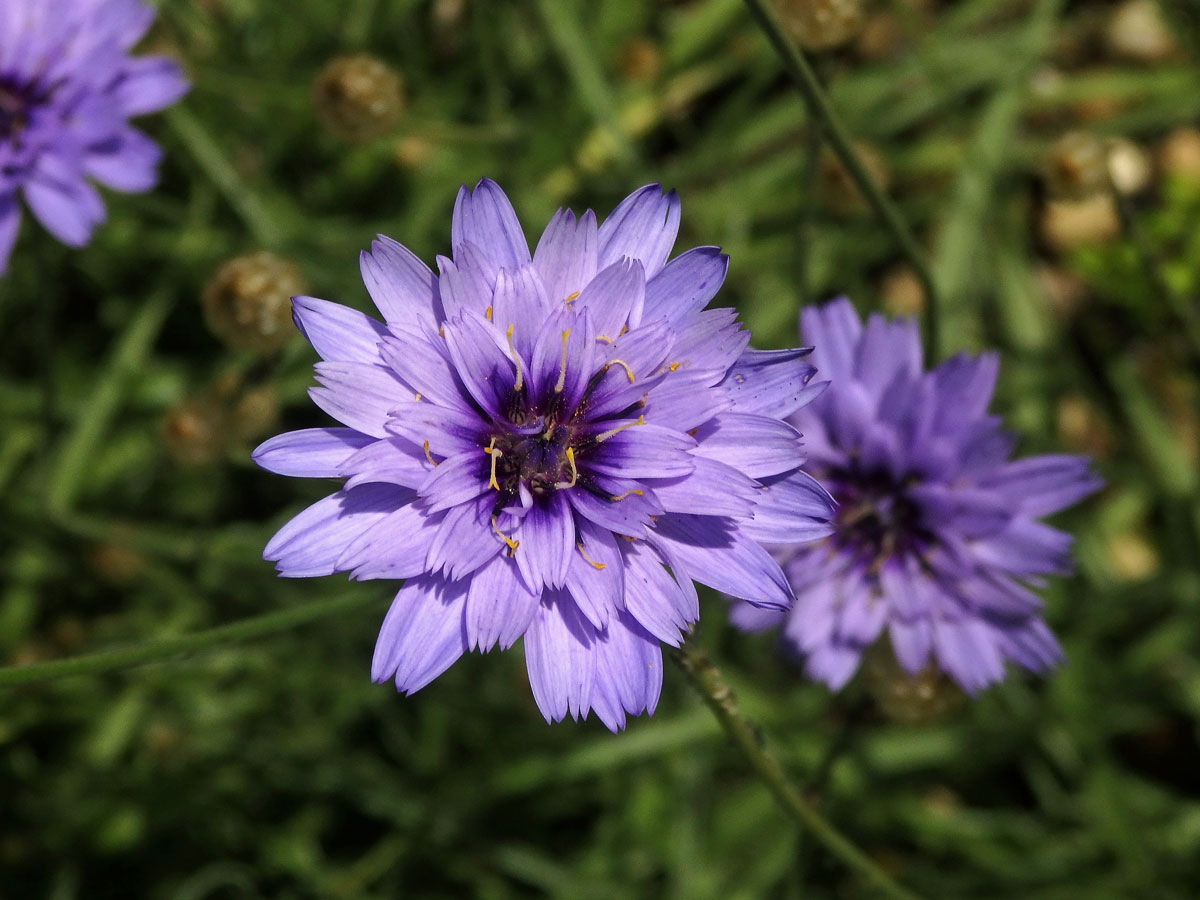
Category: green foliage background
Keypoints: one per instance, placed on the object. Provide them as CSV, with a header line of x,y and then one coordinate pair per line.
x,y
272,767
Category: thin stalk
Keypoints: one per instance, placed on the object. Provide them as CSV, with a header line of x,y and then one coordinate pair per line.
x,y
165,648
820,108
94,416
708,682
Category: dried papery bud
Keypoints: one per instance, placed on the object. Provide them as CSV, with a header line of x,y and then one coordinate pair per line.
x,y
835,186
1138,32
1128,166
1179,155
1130,556
255,413
412,152
641,60
196,431
821,24
881,36
358,97
248,302
1067,224
115,564
901,292
1076,166
928,696
1064,291
1081,426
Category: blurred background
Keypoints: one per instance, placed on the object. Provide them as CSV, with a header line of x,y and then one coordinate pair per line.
x,y
1047,156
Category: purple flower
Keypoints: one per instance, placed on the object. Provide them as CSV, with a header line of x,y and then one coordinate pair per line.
x,y
550,447
67,89
936,537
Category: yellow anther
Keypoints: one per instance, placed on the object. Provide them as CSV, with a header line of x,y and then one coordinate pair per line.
x,y
617,497
512,545
417,398
562,366
624,365
600,439
432,462
624,330
571,297
574,471
487,314
442,331
516,358
606,340
495,454
673,366
588,559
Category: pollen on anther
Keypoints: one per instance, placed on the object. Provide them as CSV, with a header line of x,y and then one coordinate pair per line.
x,y
495,453
617,497
487,314
571,297
588,559
562,366
574,471
601,438
512,544
428,455
516,358
625,366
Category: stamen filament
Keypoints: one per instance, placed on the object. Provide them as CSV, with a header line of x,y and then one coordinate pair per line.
x,y
622,364
495,454
562,366
516,358
618,497
574,471
512,545
428,456
601,438
588,559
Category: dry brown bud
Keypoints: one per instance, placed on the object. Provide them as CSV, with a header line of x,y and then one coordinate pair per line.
x,y
195,432
901,292
1138,32
928,696
1067,224
358,97
641,60
821,24
1179,155
248,302
1076,166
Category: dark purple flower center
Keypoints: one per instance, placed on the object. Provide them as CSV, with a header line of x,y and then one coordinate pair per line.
x,y
876,518
17,101
545,443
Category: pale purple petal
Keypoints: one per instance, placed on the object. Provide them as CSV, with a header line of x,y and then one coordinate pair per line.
x,y
336,332
642,227
422,634
485,218
560,658
310,452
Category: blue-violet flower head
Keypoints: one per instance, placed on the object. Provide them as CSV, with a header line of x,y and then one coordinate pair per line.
x,y
551,447
68,87
937,538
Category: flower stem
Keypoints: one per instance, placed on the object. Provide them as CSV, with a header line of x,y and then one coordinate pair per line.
x,y
821,110
152,651
716,693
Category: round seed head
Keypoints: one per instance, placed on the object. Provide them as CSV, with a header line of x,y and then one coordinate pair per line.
x,y
358,97
248,302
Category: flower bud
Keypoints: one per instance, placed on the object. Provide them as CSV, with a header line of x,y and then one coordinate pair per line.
x,y
255,413
1179,155
358,97
821,24
928,696
248,302
1138,32
195,432
1076,166
1067,224
901,292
